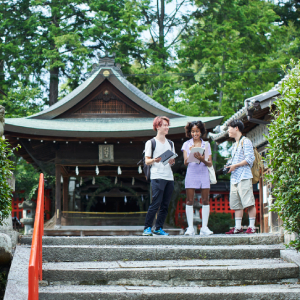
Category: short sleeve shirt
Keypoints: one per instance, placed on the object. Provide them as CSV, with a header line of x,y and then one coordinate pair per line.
x,y
158,170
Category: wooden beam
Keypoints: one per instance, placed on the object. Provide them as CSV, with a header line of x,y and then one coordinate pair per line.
x,y
88,173
65,193
261,204
64,171
58,195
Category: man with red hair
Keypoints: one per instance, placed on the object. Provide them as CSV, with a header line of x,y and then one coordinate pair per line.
x,y
161,176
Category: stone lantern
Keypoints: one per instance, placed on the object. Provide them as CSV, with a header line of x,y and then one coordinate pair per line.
x,y
28,215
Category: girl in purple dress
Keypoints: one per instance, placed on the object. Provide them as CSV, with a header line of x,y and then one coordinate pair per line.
x,y
197,176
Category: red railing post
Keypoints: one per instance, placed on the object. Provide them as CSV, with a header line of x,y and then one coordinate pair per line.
x,y
35,262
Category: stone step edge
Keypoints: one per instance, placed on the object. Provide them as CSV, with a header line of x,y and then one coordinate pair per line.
x,y
123,292
257,239
256,273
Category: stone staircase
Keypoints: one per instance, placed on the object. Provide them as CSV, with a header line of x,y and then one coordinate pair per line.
x,y
174,267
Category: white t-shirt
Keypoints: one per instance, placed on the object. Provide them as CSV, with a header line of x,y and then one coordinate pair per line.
x,y
158,170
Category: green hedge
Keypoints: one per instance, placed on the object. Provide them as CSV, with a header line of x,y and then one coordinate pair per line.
x,y
284,153
6,168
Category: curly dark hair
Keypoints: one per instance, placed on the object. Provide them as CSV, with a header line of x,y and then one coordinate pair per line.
x,y
190,125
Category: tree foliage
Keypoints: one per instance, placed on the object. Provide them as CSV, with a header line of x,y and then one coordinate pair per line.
x,y
230,49
284,153
6,168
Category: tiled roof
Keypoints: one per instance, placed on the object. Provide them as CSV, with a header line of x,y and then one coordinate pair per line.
x,y
221,131
105,127
94,81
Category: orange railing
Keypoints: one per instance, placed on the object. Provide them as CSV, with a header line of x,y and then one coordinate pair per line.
x,y
35,261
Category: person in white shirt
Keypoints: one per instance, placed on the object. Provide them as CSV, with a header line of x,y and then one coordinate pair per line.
x,y
161,176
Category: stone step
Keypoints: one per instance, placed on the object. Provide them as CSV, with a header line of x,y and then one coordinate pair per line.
x,y
257,292
158,252
171,273
103,231
216,239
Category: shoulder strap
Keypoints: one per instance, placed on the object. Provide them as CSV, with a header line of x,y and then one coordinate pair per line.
x,y
153,145
171,144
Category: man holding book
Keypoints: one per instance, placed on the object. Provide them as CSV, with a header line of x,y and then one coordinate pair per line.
x,y
161,176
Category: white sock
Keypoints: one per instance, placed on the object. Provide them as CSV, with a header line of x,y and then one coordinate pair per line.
x,y
252,222
205,215
238,223
189,211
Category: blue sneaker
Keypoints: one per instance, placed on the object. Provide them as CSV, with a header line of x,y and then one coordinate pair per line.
x,y
147,232
160,231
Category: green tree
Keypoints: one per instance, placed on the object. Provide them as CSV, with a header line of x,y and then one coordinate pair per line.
x,y
6,168
230,49
154,64
284,153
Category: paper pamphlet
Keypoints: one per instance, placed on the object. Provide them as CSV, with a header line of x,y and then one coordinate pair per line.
x,y
192,158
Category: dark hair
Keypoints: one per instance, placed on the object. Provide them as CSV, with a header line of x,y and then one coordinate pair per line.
x,y
190,125
157,122
237,123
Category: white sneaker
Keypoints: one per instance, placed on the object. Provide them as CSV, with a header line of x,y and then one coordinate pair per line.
x,y
205,231
190,231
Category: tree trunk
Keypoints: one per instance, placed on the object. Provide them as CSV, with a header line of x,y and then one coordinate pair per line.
x,y
53,95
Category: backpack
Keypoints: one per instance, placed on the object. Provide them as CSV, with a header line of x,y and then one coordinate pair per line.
x,y
146,168
257,164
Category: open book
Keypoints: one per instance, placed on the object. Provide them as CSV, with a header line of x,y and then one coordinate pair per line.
x,y
166,156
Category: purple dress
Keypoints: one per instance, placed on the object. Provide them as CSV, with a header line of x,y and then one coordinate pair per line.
x,y
197,176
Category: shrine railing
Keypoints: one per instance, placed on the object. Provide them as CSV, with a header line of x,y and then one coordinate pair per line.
x,y
35,261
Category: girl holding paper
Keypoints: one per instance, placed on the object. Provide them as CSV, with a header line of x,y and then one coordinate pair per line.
x,y
197,175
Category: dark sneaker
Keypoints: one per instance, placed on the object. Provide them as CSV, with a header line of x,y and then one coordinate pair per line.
x,y
235,231
148,231
251,230
160,231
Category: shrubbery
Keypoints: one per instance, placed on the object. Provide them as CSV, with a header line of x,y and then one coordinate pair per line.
x,y
6,168
284,153
220,222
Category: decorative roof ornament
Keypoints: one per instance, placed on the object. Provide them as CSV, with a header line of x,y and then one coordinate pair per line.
x,y
105,61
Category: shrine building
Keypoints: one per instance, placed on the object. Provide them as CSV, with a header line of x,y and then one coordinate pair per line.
x,y
97,131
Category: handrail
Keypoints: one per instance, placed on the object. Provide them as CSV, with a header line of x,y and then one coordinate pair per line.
x,y
35,261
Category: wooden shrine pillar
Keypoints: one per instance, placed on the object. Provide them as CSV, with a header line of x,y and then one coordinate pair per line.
x,y
261,204
65,193
57,195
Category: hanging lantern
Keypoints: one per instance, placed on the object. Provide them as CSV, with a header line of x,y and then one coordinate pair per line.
x,y
94,181
97,170
119,170
77,171
140,169
133,181
103,199
125,199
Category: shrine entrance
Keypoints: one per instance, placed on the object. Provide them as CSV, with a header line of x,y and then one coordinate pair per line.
x,y
103,201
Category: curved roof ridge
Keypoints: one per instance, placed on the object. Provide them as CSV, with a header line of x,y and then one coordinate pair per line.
x,y
84,89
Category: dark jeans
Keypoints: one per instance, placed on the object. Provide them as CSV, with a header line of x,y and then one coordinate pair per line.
x,y
161,195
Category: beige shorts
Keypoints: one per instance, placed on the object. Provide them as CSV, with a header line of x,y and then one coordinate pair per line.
x,y
241,195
